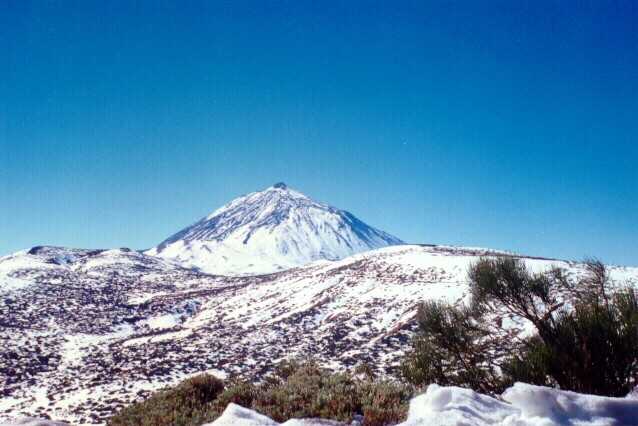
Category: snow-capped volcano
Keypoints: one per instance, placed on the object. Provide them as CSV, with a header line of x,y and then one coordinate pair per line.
x,y
268,231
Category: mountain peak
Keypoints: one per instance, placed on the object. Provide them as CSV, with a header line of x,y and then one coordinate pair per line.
x,y
271,230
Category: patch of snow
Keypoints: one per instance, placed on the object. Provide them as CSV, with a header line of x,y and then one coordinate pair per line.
x,y
8,283
164,321
75,346
29,421
236,415
540,405
451,406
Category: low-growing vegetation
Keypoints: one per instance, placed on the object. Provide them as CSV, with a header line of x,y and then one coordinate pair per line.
x,y
183,405
295,390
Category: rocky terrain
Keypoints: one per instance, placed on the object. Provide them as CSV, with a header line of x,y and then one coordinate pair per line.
x,y
85,332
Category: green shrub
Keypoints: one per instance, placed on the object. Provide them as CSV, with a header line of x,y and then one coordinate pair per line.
x,y
184,405
237,392
593,349
454,347
306,390
384,402
586,333
294,390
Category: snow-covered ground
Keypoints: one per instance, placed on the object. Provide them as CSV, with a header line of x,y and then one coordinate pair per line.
x,y
29,421
98,329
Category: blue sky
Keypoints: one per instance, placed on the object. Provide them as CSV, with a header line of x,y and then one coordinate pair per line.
x,y
510,125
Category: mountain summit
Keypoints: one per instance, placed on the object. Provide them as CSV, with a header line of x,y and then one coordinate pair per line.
x,y
271,230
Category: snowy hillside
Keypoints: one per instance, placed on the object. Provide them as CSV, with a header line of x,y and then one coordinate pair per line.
x,y
87,331
268,231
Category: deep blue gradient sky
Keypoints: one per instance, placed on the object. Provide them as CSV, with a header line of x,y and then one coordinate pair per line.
x,y
511,125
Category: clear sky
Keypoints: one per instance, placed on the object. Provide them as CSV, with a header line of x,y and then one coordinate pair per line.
x,y
511,125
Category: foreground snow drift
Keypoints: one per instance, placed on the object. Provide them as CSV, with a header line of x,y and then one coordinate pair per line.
x,y
235,415
525,405
522,405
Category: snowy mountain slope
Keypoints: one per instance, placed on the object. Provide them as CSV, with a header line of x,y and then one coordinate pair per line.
x,y
91,330
268,231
